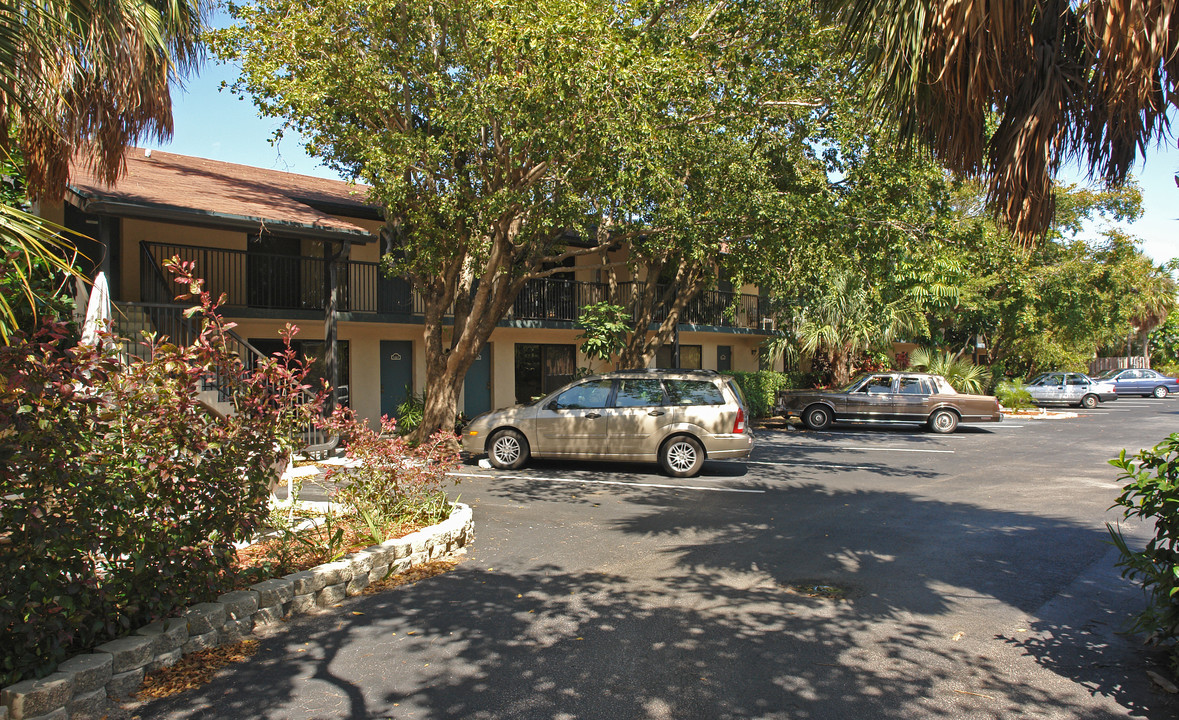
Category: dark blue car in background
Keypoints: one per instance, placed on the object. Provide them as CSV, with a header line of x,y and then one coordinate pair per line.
x,y
1134,381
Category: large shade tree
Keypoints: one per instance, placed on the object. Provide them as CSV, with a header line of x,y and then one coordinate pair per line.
x,y
1012,90
505,138
1054,305
866,247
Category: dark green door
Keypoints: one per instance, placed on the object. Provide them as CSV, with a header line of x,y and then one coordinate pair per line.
x,y
477,385
724,357
396,374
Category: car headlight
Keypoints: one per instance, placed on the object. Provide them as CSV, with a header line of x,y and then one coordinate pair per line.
x,y
471,424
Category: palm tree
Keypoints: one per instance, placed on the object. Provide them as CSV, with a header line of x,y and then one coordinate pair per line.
x,y
83,80
962,374
90,78
1063,80
1154,299
845,319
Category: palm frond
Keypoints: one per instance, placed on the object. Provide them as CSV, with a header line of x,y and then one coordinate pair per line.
x,y
34,239
964,375
1090,82
86,79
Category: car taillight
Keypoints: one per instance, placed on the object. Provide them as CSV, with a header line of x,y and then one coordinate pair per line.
x,y
739,425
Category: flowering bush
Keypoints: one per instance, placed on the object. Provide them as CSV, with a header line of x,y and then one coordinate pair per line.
x,y
122,493
871,362
393,482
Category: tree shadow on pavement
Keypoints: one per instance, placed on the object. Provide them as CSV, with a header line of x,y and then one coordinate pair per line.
x,y
705,607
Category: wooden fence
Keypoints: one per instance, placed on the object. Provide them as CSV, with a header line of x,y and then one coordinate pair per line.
x,y
1101,364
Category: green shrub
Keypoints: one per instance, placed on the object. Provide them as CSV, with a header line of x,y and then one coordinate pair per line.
x,y
409,413
761,388
1171,369
1152,494
1013,394
123,495
1164,344
605,327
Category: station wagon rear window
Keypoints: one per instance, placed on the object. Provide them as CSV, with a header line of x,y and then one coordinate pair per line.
x,y
693,392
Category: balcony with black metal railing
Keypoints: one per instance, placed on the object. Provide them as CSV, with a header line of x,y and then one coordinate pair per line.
x,y
257,281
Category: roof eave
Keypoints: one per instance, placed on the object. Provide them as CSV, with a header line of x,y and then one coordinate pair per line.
x,y
206,218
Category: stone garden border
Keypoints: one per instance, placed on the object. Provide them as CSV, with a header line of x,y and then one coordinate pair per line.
x,y
83,686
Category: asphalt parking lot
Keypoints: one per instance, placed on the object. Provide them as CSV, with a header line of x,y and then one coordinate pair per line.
x,y
851,573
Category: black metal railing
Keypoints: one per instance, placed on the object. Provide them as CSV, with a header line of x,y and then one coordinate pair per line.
x,y
167,320
268,281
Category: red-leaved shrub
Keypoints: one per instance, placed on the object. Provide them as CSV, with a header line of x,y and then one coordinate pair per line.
x,y
121,494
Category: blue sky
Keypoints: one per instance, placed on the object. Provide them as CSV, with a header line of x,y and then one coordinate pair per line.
x,y
213,123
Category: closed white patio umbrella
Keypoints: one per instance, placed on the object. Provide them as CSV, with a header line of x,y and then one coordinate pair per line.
x,y
98,310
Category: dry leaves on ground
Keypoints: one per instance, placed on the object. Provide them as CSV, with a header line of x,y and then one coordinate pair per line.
x,y
193,670
412,575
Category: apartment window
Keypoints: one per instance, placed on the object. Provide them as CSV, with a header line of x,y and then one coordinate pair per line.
x,y
542,368
691,357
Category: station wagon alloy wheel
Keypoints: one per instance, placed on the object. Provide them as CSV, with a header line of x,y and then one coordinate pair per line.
x,y
682,457
509,450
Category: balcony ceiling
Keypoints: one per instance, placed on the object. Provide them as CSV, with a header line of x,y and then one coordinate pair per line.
x,y
180,188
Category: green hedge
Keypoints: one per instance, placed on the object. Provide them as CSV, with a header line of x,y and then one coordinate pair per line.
x,y
761,388
1150,493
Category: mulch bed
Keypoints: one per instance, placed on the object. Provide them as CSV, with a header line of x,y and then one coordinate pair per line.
x,y
257,556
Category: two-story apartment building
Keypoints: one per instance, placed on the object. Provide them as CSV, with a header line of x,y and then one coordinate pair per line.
x,y
269,240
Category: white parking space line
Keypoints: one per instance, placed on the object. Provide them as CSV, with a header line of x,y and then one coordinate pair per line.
x,y
866,449
887,449
660,486
1126,404
825,466
1098,483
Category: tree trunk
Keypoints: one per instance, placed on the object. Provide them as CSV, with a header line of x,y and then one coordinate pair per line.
x,y
840,368
439,410
643,344
475,301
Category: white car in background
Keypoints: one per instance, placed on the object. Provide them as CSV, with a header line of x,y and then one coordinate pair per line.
x,y
1070,388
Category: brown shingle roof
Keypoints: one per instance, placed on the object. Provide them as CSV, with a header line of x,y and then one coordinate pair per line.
x,y
214,190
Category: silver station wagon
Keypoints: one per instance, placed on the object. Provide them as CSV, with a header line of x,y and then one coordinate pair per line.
x,y
677,418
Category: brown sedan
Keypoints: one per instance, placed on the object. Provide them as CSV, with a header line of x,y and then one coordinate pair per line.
x,y
890,397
